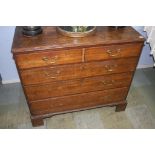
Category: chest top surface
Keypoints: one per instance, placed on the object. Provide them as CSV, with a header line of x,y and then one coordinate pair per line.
x,y
50,39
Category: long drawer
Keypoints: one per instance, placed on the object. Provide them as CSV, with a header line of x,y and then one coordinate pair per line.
x,y
61,88
48,58
112,52
74,71
78,101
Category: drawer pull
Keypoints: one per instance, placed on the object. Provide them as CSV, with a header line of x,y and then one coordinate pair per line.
x,y
50,74
110,82
110,68
51,60
45,59
82,67
113,53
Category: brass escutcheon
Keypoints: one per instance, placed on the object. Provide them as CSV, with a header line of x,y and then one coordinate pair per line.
x,y
113,53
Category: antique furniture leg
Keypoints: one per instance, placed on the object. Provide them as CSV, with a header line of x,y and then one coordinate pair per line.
x,y
121,107
37,121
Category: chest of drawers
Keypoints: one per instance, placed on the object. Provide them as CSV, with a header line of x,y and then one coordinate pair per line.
x,y
61,74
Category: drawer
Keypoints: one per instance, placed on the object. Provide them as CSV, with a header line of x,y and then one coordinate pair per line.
x,y
74,71
78,101
43,58
112,51
61,88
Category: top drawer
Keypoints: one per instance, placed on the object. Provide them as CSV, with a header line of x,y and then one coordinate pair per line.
x,y
112,51
48,58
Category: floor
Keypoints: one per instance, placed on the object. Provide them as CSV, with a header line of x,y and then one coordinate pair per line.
x,y
139,114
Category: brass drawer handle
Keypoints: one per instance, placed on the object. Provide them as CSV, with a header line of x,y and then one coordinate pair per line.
x,y
50,60
53,60
82,67
45,59
49,74
110,68
113,53
110,82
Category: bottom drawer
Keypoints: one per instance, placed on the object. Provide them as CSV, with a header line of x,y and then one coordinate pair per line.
x,y
78,101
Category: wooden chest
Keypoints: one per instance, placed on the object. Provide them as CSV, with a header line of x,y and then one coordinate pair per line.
x,y
61,74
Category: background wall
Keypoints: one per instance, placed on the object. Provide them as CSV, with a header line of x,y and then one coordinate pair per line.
x,y
7,66
145,59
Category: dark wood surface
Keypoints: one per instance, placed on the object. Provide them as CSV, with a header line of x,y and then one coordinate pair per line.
x,y
49,58
74,71
61,88
112,52
78,101
61,74
50,39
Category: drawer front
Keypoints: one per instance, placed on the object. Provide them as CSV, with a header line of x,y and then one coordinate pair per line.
x,y
49,58
74,71
113,51
61,88
78,101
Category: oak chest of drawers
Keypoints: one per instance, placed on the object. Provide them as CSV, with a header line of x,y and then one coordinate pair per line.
x,y
62,74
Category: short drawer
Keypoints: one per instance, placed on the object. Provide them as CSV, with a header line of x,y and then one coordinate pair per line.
x,y
48,58
75,71
79,101
113,51
61,88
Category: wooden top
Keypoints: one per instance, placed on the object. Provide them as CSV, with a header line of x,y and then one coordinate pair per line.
x,y
50,39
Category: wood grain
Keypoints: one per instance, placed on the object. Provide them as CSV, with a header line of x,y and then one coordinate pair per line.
x,y
49,58
74,71
112,52
61,88
77,101
50,39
